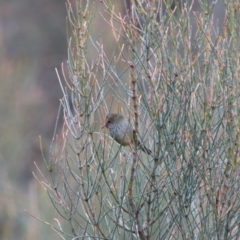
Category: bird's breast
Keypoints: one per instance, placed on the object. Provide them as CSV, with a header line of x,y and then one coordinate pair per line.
x,y
121,133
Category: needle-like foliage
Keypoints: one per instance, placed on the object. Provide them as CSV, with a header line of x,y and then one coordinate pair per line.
x,y
173,70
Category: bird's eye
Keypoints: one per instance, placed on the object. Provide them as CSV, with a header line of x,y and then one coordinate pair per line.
x,y
108,121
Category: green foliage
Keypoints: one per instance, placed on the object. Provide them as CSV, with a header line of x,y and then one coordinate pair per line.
x,y
175,73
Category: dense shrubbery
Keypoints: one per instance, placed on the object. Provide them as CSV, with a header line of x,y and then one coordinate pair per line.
x,y
180,85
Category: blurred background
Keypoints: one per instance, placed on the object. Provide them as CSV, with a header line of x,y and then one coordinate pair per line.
x,y
33,43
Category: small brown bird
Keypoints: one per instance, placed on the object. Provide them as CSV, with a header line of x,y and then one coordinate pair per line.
x,y
121,131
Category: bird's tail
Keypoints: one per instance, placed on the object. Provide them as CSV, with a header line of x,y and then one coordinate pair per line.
x,y
144,148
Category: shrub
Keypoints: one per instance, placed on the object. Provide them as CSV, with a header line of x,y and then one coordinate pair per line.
x,y
174,71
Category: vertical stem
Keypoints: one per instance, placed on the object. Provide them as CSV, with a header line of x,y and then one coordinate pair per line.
x,y
135,212
135,107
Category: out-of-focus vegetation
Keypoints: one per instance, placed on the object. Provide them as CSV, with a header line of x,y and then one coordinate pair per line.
x,y
32,43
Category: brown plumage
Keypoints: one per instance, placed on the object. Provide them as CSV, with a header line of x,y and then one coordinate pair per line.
x,y
121,131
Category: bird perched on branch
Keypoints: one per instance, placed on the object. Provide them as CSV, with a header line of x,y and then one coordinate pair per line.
x,y
122,132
